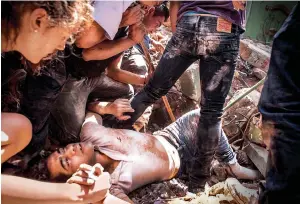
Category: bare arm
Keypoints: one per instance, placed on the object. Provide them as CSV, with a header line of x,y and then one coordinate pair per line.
x,y
91,37
107,49
116,108
22,190
174,7
115,72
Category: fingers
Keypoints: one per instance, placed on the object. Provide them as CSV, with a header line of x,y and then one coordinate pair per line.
x,y
81,180
136,8
97,168
81,174
127,109
123,100
124,117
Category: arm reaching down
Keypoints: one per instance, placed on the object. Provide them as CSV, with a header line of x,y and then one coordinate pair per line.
x,y
174,7
91,37
109,48
116,108
115,72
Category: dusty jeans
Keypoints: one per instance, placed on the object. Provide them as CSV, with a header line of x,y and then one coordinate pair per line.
x,y
68,112
182,135
280,108
196,38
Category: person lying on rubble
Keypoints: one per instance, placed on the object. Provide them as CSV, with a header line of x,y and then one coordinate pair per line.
x,y
108,19
135,159
209,31
90,87
36,29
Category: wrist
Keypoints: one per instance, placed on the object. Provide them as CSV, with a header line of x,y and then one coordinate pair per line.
x,y
73,193
107,109
132,41
142,80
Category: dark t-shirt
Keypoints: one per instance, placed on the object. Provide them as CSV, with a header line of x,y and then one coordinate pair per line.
x,y
224,9
37,93
78,68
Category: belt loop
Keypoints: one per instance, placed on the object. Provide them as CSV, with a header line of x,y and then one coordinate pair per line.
x,y
198,22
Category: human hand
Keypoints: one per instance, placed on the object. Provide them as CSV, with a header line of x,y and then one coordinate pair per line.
x,y
94,182
132,16
137,32
159,47
239,5
119,107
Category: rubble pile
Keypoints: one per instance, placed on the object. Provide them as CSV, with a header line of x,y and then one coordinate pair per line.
x,y
240,123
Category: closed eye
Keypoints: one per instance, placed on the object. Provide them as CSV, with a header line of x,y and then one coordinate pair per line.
x,y
63,163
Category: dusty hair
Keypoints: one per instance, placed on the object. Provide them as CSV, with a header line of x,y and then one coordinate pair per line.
x,y
162,10
75,15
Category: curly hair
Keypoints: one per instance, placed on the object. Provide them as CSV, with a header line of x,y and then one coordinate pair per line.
x,y
75,15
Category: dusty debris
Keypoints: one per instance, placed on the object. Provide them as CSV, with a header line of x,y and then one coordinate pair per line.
x,y
259,73
189,82
240,193
259,156
237,116
185,97
254,133
256,54
158,192
230,191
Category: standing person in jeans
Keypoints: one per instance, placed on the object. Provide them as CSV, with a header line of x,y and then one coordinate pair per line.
x,y
209,31
280,108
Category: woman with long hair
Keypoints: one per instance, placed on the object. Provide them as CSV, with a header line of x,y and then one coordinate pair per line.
x,y
35,29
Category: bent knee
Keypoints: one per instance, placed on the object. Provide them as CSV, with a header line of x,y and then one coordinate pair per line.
x,y
18,128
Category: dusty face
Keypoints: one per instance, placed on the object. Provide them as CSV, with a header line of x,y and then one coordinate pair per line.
x,y
153,22
37,39
65,161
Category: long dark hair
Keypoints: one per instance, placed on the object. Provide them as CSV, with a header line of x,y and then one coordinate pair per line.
x,y
68,14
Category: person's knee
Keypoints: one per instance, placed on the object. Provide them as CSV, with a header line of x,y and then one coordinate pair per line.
x,y
18,128
24,134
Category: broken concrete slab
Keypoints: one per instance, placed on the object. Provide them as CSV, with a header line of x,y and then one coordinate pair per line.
x,y
189,82
254,133
256,54
259,156
259,73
